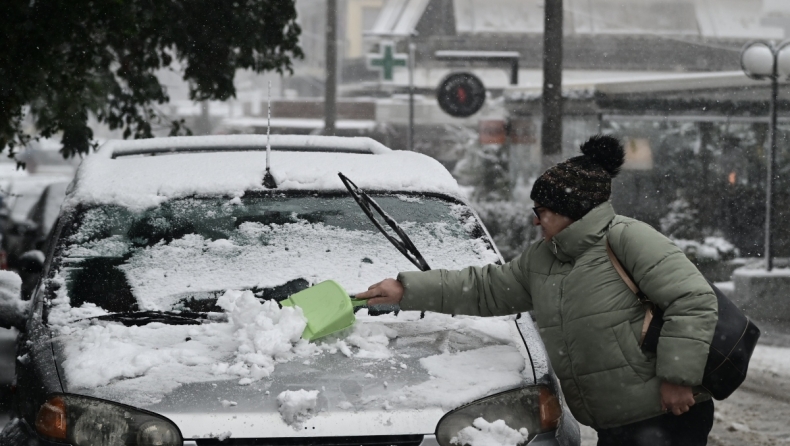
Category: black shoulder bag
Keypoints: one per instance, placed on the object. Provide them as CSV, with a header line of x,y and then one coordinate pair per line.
x,y
730,350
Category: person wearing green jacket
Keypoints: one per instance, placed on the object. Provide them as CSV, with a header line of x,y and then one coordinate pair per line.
x,y
587,317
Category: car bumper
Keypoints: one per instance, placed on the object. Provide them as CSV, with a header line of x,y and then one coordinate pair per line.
x,y
545,439
18,433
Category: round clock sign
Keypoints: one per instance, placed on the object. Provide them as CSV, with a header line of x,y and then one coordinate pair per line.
x,y
461,94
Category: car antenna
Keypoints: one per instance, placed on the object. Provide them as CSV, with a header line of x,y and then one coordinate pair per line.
x,y
268,179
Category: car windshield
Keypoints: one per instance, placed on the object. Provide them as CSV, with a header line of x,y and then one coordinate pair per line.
x,y
184,254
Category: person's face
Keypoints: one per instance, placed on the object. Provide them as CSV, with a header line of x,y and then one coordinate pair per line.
x,y
550,222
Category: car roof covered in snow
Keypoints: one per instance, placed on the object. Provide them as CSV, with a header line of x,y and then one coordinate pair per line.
x,y
140,174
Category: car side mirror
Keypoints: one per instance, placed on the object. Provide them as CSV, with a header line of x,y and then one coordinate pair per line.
x,y
31,264
13,310
22,228
32,261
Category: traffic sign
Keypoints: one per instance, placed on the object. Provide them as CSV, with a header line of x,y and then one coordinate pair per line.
x,y
461,94
386,60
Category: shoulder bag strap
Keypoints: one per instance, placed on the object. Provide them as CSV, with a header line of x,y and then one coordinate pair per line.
x,y
635,289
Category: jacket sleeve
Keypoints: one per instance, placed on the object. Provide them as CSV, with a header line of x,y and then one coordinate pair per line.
x,y
491,290
674,284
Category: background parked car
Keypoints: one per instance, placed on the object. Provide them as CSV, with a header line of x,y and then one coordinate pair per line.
x,y
21,233
43,214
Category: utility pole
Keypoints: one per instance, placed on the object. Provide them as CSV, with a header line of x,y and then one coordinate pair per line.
x,y
770,186
204,122
551,130
330,89
412,51
764,60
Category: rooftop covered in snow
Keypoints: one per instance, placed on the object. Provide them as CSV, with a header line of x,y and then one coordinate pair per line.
x,y
719,19
144,173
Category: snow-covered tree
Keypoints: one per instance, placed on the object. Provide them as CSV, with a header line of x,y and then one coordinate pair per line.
x,y
62,61
485,170
681,221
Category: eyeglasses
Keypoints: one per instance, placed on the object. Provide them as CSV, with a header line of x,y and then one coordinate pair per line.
x,y
535,211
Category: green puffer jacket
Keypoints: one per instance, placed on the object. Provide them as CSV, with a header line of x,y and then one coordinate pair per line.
x,y
587,317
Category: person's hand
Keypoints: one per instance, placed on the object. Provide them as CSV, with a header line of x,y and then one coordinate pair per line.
x,y
676,398
386,292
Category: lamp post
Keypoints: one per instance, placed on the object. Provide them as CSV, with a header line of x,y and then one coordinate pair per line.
x,y
763,60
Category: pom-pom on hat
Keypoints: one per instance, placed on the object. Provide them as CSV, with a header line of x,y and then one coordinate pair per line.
x,y
575,186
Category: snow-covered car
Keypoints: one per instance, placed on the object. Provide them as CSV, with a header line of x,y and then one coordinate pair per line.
x,y
157,319
43,214
22,195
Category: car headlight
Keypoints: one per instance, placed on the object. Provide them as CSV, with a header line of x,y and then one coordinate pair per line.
x,y
534,408
83,421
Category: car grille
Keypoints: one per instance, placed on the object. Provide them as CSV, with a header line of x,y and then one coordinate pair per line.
x,y
382,440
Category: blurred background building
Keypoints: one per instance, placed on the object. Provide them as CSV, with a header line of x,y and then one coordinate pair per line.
x,y
662,74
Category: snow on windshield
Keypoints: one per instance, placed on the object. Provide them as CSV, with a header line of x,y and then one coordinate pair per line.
x,y
264,256
195,249
231,257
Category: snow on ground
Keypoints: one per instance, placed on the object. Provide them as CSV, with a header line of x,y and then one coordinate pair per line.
x,y
771,359
728,288
759,271
297,405
483,433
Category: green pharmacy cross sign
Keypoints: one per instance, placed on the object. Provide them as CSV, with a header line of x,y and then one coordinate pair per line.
x,y
386,60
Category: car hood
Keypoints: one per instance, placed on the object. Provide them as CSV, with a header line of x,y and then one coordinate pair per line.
x,y
387,375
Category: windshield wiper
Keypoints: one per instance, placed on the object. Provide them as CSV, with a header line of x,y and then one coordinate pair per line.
x,y
404,245
132,318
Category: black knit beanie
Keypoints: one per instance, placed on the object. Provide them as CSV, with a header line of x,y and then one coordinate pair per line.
x,y
575,186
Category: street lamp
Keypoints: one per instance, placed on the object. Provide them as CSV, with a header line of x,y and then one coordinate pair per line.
x,y
764,60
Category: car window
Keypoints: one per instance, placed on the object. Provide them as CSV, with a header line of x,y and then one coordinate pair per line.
x,y
185,253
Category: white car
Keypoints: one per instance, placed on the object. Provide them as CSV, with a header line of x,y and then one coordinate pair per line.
x,y
157,319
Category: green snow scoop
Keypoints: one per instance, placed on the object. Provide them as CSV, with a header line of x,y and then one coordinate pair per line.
x,y
327,307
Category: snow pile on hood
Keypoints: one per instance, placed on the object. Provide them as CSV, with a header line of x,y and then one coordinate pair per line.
x,y
140,365
266,334
12,308
296,406
156,358
372,340
483,433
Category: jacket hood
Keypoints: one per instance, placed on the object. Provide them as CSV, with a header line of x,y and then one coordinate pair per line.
x,y
577,238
